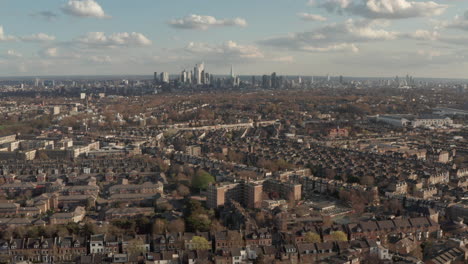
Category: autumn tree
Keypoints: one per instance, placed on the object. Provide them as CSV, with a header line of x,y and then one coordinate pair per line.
x,y
339,236
201,243
176,226
159,227
136,247
311,237
183,190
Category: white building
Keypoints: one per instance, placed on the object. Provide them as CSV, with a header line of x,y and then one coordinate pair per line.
x,y
414,121
165,77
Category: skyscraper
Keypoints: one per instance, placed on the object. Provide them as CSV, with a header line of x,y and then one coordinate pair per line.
x,y
199,68
232,72
165,77
274,80
184,77
266,82
155,77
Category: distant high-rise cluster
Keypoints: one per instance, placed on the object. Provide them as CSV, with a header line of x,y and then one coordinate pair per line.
x,y
407,82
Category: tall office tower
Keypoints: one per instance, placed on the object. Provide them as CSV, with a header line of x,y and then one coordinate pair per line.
x,y
183,76
232,72
212,80
328,78
199,68
36,82
207,78
341,79
155,77
165,77
253,80
190,77
234,81
203,79
266,82
274,80
299,80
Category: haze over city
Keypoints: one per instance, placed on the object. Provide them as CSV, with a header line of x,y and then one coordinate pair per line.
x,y
365,38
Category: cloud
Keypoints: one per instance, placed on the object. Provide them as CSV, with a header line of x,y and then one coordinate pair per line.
x,y
4,37
46,15
455,40
13,54
384,9
424,35
39,37
100,59
49,52
59,53
100,39
228,49
285,59
84,8
200,22
334,47
459,22
334,37
311,17
429,54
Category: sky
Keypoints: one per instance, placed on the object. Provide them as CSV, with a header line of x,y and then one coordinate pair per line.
x,y
361,38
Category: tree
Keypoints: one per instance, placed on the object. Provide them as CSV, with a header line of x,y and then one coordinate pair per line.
x,y
201,243
339,236
88,229
216,226
199,222
260,218
311,237
176,226
367,180
260,259
136,247
183,190
159,227
202,180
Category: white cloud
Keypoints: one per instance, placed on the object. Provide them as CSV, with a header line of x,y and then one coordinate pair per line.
x,y
429,54
100,39
459,22
334,47
100,59
13,54
285,59
425,35
229,49
205,22
311,17
84,8
4,37
384,9
334,37
39,37
49,52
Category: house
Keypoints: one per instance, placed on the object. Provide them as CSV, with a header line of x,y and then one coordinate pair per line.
x,y
64,218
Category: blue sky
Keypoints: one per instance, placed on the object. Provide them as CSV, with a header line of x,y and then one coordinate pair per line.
x,y
339,37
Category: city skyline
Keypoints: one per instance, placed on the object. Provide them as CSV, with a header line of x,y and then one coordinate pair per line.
x,y
384,37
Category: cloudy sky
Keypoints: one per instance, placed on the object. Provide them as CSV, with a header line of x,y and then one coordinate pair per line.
x,y
375,38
